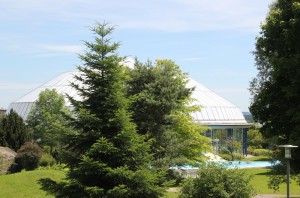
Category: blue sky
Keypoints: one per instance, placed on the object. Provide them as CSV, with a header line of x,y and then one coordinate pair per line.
x,y
211,40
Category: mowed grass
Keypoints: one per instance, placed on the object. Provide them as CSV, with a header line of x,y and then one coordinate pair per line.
x,y
171,195
258,158
24,184
260,182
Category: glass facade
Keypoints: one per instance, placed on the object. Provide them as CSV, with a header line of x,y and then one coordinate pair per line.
x,y
222,137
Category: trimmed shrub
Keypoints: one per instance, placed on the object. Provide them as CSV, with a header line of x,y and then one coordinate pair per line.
x,y
214,180
28,156
262,152
47,160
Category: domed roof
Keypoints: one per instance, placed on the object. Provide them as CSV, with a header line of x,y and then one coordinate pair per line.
x,y
61,83
215,110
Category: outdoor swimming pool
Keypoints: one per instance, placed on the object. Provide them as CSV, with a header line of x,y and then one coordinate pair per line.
x,y
190,171
239,164
252,164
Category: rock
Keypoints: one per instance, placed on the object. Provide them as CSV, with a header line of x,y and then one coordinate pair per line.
x,y
7,159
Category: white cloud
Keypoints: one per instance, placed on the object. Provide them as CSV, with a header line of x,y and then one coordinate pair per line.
x,y
42,50
167,15
64,48
16,86
231,90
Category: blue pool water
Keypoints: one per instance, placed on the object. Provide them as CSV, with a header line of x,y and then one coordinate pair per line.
x,y
242,164
252,164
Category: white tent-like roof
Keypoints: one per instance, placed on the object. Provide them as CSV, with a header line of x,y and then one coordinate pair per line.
x,y
215,109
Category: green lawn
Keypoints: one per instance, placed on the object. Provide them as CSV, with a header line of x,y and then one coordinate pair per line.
x,y
257,158
260,181
171,195
24,184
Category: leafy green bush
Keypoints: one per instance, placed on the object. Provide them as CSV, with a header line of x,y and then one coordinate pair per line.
x,y
224,151
214,180
28,156
227,157
262,152
237,156
47,160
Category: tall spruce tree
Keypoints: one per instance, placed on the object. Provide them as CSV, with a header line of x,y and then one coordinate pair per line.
x,y
107,158
13,133
161,110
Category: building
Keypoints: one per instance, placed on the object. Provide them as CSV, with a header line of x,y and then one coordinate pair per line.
x,y
224,118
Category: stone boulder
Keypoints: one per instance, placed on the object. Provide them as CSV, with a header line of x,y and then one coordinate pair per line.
x,y
7,159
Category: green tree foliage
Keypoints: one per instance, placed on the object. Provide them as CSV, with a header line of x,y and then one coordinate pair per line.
x,y
276,89
161,113
215,180
48,120
233,146
2,115
13,132
107,158
255,139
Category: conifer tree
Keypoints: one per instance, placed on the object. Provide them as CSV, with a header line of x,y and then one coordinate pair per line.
x,y
107,158
14,132
161,110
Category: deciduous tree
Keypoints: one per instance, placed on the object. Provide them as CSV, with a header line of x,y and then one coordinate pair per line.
x,y
254,137
48,121
162,109
276,89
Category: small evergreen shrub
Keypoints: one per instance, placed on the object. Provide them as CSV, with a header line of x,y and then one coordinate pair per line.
x,y
28,156
47,160
215,180
227,157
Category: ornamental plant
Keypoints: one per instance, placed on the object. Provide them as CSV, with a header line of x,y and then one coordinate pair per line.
x,y
215,180
28,156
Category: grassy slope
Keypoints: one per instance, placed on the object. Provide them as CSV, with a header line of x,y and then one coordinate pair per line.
x,y
24,184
